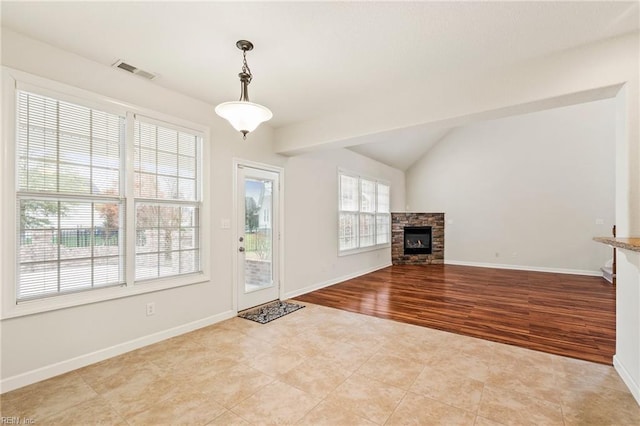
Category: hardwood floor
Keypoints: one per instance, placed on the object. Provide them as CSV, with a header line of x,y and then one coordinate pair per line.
x,y
562,314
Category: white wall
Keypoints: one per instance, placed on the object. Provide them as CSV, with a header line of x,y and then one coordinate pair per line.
x,y
627,357
524,191
311,237
39,346
36,346
558,79
611,62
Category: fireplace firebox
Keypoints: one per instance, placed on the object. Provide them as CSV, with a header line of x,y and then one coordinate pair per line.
x,y
417,240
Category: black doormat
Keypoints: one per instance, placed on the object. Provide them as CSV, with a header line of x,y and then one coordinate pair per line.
x,y
274,310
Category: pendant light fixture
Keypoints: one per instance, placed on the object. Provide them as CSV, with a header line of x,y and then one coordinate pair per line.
x,y
243,115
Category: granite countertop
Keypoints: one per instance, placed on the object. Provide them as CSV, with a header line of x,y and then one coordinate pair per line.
x,y
632,244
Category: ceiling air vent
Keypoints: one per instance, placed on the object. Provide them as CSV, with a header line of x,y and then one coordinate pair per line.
x,y
134,70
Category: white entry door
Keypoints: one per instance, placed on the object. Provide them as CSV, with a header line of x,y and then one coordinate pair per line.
x,y
257,240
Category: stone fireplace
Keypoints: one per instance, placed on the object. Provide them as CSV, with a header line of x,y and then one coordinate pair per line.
x,y
417,238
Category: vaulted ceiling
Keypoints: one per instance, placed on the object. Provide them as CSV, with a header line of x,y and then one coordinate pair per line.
x,y
318,58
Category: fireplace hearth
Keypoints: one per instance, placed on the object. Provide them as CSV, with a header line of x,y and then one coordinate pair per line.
x,y
417,239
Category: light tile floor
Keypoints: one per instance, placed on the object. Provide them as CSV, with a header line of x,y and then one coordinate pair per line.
x,y
329,367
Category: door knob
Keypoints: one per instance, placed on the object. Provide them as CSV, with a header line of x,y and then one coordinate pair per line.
x,y
241,249
241,239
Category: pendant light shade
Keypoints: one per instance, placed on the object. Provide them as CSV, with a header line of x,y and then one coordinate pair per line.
x,y
243,115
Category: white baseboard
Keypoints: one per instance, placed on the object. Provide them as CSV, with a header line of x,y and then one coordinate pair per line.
x,y
525,268
318,286
43,373
627,379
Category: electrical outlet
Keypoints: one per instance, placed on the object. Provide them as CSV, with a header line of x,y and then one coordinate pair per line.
x,y
151,308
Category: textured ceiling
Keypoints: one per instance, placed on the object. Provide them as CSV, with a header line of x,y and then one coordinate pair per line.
x,y
315,58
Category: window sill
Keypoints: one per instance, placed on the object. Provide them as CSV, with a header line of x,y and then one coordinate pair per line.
x,y
363,249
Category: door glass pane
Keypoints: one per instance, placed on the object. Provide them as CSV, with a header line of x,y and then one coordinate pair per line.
x,y
258,270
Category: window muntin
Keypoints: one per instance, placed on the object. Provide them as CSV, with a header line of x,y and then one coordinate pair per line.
x,y
364,219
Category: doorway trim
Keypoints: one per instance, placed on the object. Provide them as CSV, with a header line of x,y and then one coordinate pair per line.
x,y
239,162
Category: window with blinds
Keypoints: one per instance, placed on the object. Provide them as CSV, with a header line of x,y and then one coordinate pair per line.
x,y
74,187
70,209
364,217
167,202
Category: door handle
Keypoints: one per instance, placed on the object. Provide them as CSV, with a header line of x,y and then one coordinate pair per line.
x,y
241,249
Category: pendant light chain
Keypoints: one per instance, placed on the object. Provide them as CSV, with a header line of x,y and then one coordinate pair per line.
x,y
245,66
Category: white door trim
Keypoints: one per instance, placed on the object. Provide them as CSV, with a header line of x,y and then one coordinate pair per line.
x,y
237,162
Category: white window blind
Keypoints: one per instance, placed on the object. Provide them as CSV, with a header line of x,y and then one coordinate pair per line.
x,y
349,208
71,213
364,218
71,198
367,212
167,201
383,214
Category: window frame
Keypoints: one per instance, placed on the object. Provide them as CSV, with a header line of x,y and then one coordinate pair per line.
x,y
359,213
15,80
